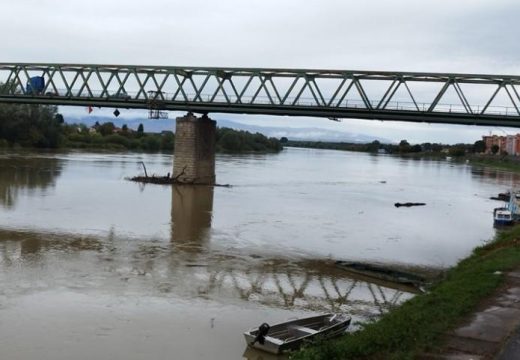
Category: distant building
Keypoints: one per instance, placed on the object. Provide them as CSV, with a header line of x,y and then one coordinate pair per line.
x,y
517,145
509,144
490,141
502,145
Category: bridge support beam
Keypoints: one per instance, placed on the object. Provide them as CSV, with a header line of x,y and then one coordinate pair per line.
x,y
194,160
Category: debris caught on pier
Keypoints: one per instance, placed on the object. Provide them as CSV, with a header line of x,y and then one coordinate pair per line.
x,y
168,179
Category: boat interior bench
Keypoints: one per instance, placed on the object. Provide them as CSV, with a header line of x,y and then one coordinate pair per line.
x,y
274,340
298,331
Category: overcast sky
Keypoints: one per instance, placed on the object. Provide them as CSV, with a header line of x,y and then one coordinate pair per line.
x,y
467,36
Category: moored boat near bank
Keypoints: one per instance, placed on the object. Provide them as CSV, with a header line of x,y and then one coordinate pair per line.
x,y
502,216
292,334
513,205
510,212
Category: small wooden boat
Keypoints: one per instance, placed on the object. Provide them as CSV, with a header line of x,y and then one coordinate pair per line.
x,y
292,334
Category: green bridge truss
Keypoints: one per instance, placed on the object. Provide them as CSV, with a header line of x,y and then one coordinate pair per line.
x,y
334,94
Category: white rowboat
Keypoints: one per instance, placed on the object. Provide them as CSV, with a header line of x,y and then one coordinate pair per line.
x,y
292,334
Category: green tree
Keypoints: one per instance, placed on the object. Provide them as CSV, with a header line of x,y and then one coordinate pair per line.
x,y
436,148
167,142
118,139
230,141
106,129
151,143
494,149
374,146
59,118
426,147
457,150
404,146
479,146
416,148
30,125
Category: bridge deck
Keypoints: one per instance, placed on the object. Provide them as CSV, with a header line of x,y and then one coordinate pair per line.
x,y
405,96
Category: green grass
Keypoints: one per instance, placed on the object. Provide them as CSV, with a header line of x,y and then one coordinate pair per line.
x,y
495,161
418,324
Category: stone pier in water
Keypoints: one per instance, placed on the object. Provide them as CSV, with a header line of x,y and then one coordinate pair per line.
x,y
194,161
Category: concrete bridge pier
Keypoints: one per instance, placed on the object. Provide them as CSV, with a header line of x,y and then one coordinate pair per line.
x,y
194,161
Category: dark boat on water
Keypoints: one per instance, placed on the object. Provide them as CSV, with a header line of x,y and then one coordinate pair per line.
x,y
292,334
502,197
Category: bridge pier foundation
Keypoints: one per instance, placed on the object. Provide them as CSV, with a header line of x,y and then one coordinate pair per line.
x,y
194,159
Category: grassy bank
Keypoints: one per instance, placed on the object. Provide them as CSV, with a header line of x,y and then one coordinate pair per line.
x,y
510,163
418,324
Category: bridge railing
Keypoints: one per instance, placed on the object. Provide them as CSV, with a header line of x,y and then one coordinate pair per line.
x,y
306,102
482,99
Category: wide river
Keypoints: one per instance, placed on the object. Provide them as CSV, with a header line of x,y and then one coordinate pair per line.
x,y
93,266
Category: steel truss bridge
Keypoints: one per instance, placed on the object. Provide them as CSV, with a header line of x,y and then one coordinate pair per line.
x,y
334,94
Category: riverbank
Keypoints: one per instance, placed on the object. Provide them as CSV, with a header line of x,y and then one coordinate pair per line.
x,y
504,162
460,153
418,325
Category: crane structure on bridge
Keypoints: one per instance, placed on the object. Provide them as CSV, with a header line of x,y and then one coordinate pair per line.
x,y
334,94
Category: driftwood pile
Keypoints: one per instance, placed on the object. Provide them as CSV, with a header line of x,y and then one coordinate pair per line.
x,y
167,180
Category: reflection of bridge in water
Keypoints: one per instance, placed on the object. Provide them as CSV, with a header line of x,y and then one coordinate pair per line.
x,y
190,266
306,285
314,285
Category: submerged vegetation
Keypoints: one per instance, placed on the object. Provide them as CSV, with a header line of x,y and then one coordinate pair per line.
x,y
418,324
40,126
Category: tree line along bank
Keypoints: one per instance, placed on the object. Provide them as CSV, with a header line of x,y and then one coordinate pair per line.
x,y
41,126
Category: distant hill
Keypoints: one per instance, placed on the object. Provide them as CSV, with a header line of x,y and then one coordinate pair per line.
x,y
301,134
304,133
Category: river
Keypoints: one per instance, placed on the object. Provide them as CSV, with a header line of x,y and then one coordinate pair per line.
x,y
94,266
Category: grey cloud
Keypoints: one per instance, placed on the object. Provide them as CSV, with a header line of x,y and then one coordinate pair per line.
x,y
401,35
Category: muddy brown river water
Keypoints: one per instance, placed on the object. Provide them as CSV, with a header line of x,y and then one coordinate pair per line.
x,y
97,267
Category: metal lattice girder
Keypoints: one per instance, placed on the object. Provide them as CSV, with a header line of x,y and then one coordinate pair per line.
x,y
406,96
